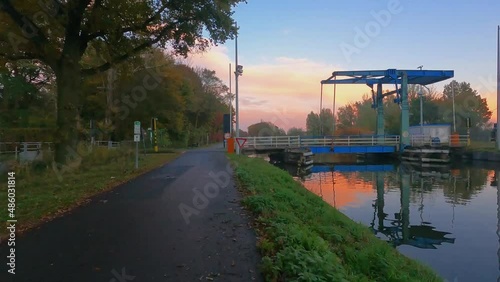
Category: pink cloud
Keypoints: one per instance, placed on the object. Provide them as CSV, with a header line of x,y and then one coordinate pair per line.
x,y
286,89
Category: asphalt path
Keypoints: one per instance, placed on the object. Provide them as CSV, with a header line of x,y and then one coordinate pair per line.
x,y
180,222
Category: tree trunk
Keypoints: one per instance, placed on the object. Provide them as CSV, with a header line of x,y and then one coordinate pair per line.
x,y
68,79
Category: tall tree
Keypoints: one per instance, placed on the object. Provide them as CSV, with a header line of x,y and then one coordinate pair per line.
x,y
59,33
294,131
265,129
468,104
347,116
313,124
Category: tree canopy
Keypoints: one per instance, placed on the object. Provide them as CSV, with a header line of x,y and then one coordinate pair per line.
x,y
76,39
360,117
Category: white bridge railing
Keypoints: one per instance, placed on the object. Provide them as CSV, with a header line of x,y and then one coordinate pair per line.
x,y
297,141
452,141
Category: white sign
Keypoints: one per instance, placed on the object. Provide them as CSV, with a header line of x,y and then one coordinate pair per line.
x,y
137,127
137,138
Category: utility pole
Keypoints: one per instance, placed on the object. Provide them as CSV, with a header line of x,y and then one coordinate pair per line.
x,y
498,87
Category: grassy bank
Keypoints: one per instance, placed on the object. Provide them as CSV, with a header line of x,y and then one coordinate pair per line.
x,y
302,238
41,195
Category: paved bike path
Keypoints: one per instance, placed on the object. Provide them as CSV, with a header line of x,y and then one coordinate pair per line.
x,y
137,232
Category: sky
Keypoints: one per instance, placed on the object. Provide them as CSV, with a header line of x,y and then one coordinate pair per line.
x,y
286,47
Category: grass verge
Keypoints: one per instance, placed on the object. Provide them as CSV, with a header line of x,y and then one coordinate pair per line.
x,y
302,238
42,196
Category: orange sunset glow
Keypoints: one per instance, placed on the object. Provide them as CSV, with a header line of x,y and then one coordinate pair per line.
x,y
285,90
346,190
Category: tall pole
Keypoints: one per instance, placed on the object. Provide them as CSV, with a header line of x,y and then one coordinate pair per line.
x,y
421,94
453,101
230,105
321,108
236,90
334,109
498,87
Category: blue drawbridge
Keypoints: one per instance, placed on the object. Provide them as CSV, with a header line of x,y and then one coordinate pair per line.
x,y
400,79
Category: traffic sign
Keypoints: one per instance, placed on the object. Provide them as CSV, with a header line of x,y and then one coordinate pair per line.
x,y
137,127
241,141
137,138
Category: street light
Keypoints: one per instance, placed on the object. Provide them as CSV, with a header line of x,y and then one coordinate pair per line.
x,y
237,73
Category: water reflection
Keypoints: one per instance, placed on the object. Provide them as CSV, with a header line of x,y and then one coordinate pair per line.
x,y
398,230
446,217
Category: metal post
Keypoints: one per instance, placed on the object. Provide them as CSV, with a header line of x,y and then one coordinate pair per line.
x,y
498,87
320,108
334,108
405,118
453,101
236,90
136,155
421,94
230,105
380,114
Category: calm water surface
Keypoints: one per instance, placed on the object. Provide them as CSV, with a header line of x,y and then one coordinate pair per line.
x,y
446,218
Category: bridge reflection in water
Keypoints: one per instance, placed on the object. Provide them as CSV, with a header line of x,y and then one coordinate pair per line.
x,y
431,214
398,230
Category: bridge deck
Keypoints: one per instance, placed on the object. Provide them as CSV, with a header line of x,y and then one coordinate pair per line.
x,y
352,144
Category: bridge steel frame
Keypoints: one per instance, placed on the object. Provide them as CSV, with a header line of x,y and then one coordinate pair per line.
x,y
400,79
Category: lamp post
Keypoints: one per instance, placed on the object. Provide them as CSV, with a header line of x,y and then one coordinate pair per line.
x,y
453,102
498,87
230,97
237,73
420,94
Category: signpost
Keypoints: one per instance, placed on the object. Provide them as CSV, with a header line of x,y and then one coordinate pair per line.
x,y
241,142
137,139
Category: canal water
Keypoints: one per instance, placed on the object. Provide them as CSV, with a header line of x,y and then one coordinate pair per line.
x,y
445,217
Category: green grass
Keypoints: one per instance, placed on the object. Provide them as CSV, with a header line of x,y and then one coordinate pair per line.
x,y
302,238
41,196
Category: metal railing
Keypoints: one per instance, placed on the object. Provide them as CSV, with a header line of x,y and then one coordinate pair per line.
x,y
425,140
298,141
16,147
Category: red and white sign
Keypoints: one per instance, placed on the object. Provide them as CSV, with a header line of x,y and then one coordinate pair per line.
x,y
241,141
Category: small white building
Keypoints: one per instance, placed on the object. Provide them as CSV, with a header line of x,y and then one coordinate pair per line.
x,y
425,134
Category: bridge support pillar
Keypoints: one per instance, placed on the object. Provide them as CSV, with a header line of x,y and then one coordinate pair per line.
x,y
380,115
405,116
405,205
380,200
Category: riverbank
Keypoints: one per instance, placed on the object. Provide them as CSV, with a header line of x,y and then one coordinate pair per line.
x,y
44,195
302,237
